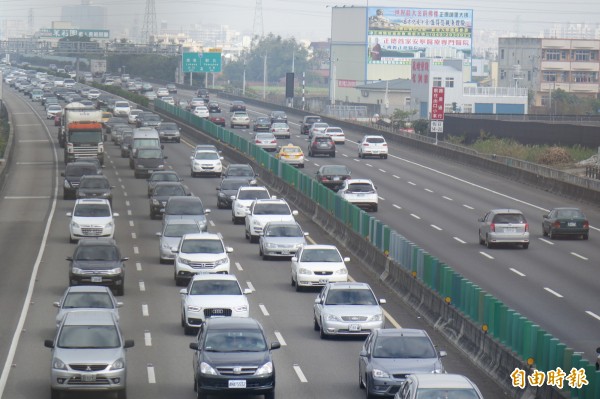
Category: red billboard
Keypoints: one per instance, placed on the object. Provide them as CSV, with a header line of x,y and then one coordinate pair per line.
x,y
437,103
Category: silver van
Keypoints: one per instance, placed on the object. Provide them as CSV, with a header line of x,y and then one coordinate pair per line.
x,y
88,354
146,137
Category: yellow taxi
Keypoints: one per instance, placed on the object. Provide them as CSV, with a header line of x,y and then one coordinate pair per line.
x,y
291,154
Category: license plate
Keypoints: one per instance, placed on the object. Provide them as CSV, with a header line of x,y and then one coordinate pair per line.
x,y
237,383
354,327
336,178
285,252
572,224
375,152
96,279
510,230
88,377
323,281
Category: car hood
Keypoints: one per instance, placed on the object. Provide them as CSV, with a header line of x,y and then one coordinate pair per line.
x,y
405,366
352,310
162,198
149,162
228,193
84,221
197,218
89,356
171,242
94,191
96,264
216,359
287,241
217,301
202,257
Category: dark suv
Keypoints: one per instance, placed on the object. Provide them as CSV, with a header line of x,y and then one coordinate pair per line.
x,y
307,122
95,186
321,145
73,173
237,106
98,261
161,193
231,355
148,160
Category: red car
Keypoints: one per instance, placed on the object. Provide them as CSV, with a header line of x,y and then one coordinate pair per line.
x,y
216,118
57,119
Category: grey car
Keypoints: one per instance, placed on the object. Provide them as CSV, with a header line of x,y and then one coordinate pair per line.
x,y
169,131
438,386
389,355
504,226
266,141
170,236
347,309
190,207
86,297
281,239
88,354
95,186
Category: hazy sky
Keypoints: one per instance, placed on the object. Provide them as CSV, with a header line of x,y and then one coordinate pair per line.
x,y
310,19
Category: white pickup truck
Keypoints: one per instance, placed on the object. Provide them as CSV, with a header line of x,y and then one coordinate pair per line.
x,y
360,192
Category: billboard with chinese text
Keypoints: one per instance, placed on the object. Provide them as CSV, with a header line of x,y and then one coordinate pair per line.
x,y
396,35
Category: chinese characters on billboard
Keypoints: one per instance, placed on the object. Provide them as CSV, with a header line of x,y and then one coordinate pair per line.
x,y
397,34
437,103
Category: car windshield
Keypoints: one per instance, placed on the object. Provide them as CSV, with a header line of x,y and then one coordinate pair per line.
x,y
403,347
272,209
514,218
321,255
168,190
360,188
96,252
88,337
78,170
194,246
215,287
334,130
253,194
92,210
206,155
168,126
334,170
151,118
232,184
99,300
447,393
284,231
149,154
94,183
178,230
235,341
185,208
350,297
239,171
164,177
293,150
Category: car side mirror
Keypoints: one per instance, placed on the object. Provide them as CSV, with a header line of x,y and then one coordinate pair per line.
x,y
306,233
206,211
275,345
317,300
125,258
129,343
221,158
346,259
115,214
247,291
119,304
159,234
48,343
194,346
56,304
362,353
69,214
382,301
232,197
192,157
545,216
229,250
480,220
162,146
183,291
294,259
443,354
295,212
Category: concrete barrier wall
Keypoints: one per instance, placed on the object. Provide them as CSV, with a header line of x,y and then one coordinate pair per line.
x,y
5,162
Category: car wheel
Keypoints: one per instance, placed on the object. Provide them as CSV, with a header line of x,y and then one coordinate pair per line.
x,y
120,290
122,394
182,319
544,232
375,207
322,334
72,241
187,330
219,205
270,395
247,235
368,394
586,236
488,243
298,287
200,394
192,173
315,324
385,156
253,239
178,281
526,245
292,281
361,383
55,394
481,240
162,261
359,155
551,234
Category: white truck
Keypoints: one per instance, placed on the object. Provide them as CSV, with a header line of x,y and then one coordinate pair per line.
x,y
98,67
360,192
81,133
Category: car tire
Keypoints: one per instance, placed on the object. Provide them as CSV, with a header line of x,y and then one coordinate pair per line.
x,y
544,232
200,394
481,241
187,330
122,394
192,173
292,281
247,235
526,245
322,334
333,155
254,239
55,394
551,234
162,261
375,207
315,324
178,281
488,243
298,287
219,206
72,241
368,394
586,236
270,395
301,166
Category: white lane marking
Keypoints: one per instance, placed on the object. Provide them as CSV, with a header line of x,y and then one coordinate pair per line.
x,y
468,207
138,266
28,124
517,272
117,173
299,373
131,223
412,184
249,284
486,255
120,180
129,212
22,197
436,227
127,203
136,250
263,309
415,216
369,165
447,198
396,206
124,193
280,338
344,155
381,198
553,292
147,338
579,256
546,241
142,286
356,160
391,319
594,315
459,240
316,164
238,266
212,224
382,171
397,177
122,187
151,374
133,235
428,190
145,311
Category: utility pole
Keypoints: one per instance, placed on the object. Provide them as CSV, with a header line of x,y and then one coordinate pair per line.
x,y
244,78
265,77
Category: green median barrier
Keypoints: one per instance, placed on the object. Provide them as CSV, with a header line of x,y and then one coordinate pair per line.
x,y
489,310
386,239
499,321
592,390
510,333
446,276
518,347
552,349
530,341
467,296
428,270
576,363
456,292
355,214
364,224
477,299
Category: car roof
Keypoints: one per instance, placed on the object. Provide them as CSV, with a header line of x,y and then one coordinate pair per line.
x,y
187,198
506,210
281,223
228,323
85,201
351,181
318,246
90,317
201,236
214,276
270,201
455,381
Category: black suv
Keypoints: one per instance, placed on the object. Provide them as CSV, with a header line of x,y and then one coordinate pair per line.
x,y
240,170
203,94
147,160
161,193
237,106
321,144
95,186
228,189
307,122
73,173
231,355
98,261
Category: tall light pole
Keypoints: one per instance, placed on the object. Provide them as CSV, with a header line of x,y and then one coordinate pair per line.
x,y
244,79
265,77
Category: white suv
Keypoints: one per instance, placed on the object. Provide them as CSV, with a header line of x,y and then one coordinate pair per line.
x,y
241,202
200,253
91,218
360,192
206,162
212,295
373,146
263,211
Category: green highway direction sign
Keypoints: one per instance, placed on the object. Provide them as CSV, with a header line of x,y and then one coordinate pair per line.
x,y
201,62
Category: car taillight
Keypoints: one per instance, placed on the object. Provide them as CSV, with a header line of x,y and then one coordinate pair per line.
x,y
384,144
274,141
526,227
365,144
272,130
257,141
492,227
556,224
586,224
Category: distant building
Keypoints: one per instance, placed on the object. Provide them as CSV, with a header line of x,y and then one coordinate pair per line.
x,y
85,15
12,28
387,96
545,65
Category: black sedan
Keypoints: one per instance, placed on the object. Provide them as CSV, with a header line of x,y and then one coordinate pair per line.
x,y
565,222
261,124
278,116
160,176
333,176
95,186
227,189
161,193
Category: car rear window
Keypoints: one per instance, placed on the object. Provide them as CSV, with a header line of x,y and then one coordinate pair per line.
x,y
513,218
375,140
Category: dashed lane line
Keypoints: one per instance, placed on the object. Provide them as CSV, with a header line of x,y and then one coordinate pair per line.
x,y
550,290
147,338
517,272
486,255
145,311
263,309
280,338
436,227
459,240
299,373
238,266
151,374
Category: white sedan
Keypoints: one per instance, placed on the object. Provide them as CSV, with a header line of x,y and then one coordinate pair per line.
x,y
162,92
317,265
336,134
201,111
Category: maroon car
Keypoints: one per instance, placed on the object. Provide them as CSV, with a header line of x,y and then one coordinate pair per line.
x,y
216,118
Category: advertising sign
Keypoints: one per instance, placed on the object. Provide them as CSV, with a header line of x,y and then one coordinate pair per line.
x,y
397,34
201,62
437,103
91,33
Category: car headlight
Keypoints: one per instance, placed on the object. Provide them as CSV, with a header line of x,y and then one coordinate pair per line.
x,y
196,163
265,369
271,245
221,261
205,368
241,308
106,194
195,309
116,270
155,202
80,194
161,166
165,245
341,271
332,317
377,317
118,364
184,261
58,364
380,374
76,270
110,225
222,195
74,225
140,166
256,223
302,270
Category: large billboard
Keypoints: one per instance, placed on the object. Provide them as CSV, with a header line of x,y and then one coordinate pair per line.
x,y
396,35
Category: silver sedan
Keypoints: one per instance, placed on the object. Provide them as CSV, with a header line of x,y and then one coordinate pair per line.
x,y
281,239
83,297
281,130
266,141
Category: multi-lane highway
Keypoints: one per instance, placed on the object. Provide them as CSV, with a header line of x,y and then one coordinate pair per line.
x,y
34,232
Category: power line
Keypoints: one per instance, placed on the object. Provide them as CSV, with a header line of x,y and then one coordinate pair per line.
x,y
149,29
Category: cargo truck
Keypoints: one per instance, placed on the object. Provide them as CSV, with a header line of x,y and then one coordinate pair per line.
x,y
98,67
81,133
